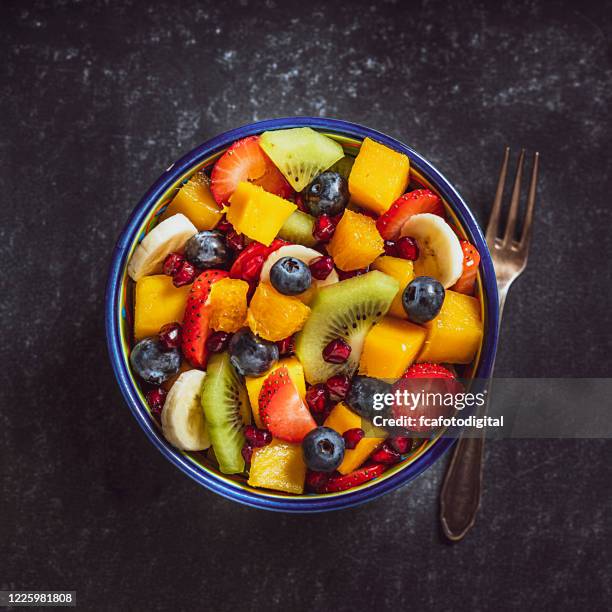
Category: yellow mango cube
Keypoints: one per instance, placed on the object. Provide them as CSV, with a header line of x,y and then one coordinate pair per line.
x,y
157,302
341,419
401,270
279,466
275,316
255,383
195,201
228,301
454,336
257,213
390,347
356,243
379,176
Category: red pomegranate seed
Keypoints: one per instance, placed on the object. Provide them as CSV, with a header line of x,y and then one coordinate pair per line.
x,y
316,481
316,398
224,226
172,263
250,432
407,248
156,399
286,346
321,267
337,351
217,342
264,437
390,248
401,444
257,437
170,336
251,268
324,229
247,453
338,386
387,455
185,274
352,437
344,275
235,241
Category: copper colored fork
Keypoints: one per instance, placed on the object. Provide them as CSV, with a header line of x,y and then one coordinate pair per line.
x,y
461,491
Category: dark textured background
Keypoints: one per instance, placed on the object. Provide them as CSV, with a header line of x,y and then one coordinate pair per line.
x,y
97,99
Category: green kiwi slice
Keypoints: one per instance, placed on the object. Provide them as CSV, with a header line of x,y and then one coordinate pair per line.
x,y
347,310
227,411
298,229
300,153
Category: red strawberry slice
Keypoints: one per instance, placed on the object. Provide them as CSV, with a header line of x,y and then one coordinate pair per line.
x,y
354,479
386,454
245,160
281,408
196,319
471,260
428,370
249,263
418,380
412,203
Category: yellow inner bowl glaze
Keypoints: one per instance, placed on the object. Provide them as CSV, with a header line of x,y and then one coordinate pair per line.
x,y
199,459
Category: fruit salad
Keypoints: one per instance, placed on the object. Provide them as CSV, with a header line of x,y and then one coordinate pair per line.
x,y
280,290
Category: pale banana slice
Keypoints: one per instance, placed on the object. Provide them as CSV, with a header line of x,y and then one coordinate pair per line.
x,y
440,253
298,251
182,417
170,235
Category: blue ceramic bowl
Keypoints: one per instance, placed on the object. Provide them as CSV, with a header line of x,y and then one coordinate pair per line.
x,y
118,315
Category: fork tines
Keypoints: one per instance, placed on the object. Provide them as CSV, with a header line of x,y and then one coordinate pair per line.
x,y
507,242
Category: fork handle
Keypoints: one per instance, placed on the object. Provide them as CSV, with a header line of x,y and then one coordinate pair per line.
x,y
460,496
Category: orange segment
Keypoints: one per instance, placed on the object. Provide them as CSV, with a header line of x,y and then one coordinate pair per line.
x,y
228,301
356,242
275,316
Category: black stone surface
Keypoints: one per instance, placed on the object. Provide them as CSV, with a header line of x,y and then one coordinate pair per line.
x,y
97,99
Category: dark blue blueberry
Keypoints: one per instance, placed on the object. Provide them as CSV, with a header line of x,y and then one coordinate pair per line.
x,y
328,194
207,249
251,355
290,276
323,449
360,397
423,298
152,363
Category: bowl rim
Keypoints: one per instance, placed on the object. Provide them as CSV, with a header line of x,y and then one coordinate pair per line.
x,y
299,504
